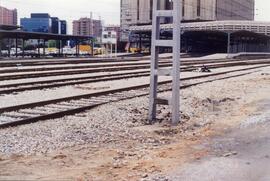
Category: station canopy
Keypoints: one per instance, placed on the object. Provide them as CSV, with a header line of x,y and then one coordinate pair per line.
x,y
18,34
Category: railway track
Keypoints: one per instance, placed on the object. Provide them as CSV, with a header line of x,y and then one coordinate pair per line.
x,y
61,61
11,88
12,63
184,67
38,85
103,65
74,67
76,71
44,110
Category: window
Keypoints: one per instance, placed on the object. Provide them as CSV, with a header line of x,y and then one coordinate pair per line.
x,y
138,10
183,8
151,9
198,8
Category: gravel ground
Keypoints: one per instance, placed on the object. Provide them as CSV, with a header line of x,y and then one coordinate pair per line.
x,y
97,126
113,121
114,124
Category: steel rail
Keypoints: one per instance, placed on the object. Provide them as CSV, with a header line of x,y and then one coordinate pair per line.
x,y
106,93
92,79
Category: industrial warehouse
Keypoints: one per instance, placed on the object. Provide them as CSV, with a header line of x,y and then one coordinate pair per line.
x,y
135,90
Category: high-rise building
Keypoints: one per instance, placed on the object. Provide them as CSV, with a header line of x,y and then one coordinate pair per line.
x,y
8,17
63,27
37,23
139,12
87,27
55,25
44,23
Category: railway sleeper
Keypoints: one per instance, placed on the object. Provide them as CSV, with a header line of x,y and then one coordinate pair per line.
x,y
44,110
6,119
62,107
17,117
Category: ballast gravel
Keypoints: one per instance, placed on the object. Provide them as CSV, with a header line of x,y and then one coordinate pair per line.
x,y
115,122
101,125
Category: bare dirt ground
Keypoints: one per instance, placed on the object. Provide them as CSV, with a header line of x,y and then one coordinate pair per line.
x,y
139,151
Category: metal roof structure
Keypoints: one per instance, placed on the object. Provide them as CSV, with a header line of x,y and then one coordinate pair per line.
x,y
9,27
224,26
45,36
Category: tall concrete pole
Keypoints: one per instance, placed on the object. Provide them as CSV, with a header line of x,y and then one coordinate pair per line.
x,y
175,43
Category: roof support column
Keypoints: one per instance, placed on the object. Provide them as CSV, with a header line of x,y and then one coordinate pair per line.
x,y
1,47
39,48
23,44
242,45
92,47
75,47
16,46
59,48
9,47
78,48
268,45
62,48
245,43
228,45
238,46
140,42
44,44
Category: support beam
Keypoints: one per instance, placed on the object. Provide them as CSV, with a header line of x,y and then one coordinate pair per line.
x,y
44,44
154,63
38,47
116,49
175,43
59,48
228,45
16,47
62,48
92,47
77,48
0,47
140,42
9,46
23,47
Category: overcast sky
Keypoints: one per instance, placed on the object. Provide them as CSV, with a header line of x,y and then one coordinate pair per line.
x,y
108,10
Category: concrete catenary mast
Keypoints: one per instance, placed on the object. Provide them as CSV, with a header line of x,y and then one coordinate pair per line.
x,y
174,101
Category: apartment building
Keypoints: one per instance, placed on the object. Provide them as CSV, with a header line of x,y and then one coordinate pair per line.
x,y
8,16
87,27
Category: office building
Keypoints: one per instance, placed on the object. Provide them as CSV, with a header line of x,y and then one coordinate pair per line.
x,y
37,23
8,17
63,27
44,23
55,25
